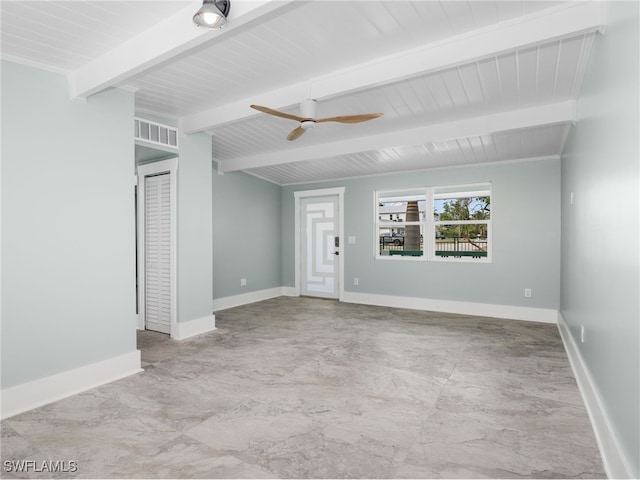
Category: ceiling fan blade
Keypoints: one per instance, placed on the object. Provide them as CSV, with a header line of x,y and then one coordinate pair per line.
x,y
296,133
350,118
277,113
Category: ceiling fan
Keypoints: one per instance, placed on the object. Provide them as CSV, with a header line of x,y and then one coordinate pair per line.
x,y
307,117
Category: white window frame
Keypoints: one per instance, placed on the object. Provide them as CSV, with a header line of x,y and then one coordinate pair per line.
x,y
429,224
463,191
423,222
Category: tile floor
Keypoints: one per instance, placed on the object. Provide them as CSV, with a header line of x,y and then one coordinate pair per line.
x,y
310,388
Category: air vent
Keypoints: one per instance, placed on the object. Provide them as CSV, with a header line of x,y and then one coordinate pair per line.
x,y
155,133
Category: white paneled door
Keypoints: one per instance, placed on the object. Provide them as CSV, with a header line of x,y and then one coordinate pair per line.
x,y
157,251
319,246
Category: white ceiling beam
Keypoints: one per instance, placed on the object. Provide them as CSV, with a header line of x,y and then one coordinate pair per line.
x,y
551,114
161,43
564,21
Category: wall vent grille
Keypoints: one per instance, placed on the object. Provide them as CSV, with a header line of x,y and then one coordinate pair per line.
x,y
155,133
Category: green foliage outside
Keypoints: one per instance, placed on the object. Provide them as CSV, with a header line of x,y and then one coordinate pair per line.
x,y
465,208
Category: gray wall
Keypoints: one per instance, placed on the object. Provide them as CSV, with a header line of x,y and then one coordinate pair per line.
x,y
526,230
600,278
247,234
195,276
68,250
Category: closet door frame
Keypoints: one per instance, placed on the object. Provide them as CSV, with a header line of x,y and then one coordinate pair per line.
x,y
170,167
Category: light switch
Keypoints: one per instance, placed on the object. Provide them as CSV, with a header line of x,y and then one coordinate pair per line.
x,y
351,240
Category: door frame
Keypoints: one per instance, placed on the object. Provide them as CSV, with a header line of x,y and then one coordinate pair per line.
x,y
325,192
169,166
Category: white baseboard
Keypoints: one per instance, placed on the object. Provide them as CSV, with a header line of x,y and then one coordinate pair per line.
x,y
251,297
37,393
531,314
616,465
543,315
289,292
193,327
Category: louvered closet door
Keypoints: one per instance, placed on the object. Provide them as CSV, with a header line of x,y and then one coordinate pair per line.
x,y
158,253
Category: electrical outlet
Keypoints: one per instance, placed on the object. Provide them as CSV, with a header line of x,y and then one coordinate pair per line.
x,y
356,281
243,282
527,293
581,333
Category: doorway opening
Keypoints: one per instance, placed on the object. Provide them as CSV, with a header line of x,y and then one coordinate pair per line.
x,y
156,246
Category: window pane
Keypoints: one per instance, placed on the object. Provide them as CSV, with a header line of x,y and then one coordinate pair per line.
x,y
405,241
462,208
467,240
401,206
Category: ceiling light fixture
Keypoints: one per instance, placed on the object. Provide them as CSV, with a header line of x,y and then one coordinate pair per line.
x,y
212,14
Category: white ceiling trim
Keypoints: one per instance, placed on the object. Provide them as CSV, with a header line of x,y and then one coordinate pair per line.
x,y
548,25
161,43
555,113
31,63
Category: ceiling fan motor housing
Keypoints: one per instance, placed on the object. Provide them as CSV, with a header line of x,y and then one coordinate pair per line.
x,y
308,108
307,124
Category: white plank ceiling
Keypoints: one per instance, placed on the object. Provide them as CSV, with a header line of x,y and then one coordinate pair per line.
x,y
459,82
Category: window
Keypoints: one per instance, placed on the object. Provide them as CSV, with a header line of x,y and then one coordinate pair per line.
x,y
400,222
462,221
459,229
